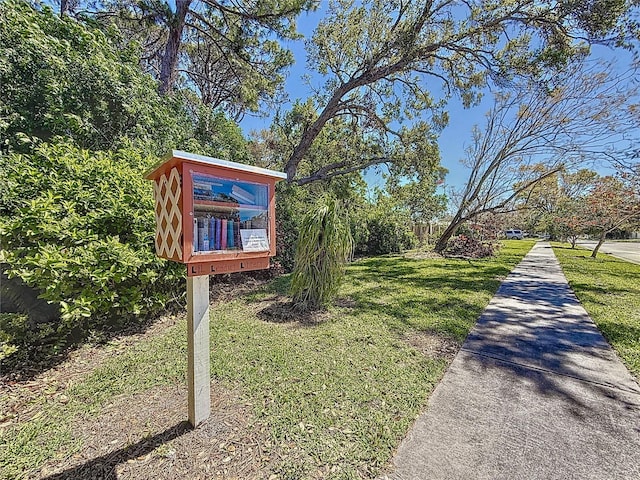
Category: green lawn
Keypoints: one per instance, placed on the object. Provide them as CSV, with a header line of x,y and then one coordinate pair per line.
x,y
609,289
340,392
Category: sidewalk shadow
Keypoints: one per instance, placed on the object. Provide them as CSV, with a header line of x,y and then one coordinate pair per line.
x,y
539,330
104,467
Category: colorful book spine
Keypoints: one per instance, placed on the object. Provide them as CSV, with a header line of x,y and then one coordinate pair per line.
x,y
212,233
200,234
229,233
218,233
223,232
203,234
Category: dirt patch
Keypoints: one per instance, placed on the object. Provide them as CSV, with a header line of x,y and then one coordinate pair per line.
x,y
223,288
279,309
433,345
147,437
345,302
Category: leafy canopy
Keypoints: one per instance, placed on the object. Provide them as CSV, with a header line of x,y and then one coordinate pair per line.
x,y
63,77
390,66
230,54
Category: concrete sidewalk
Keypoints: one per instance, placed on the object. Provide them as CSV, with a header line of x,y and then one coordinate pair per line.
x,y
535,393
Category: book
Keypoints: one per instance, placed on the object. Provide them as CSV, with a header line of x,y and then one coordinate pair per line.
x,y
230,243
203,234
212,233
216,230
218,235
242,195
223,231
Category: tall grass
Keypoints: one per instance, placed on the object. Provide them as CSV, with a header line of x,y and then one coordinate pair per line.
x,y
323,248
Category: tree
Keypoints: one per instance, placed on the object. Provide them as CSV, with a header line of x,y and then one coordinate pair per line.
x,y
381,226
419,196
227,51
570,220
62,77
556,203
536,131
380,59
386,225
612,204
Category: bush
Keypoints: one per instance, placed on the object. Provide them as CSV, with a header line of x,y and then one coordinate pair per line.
x,y
386,234
12,327
466,246
323,248
79,227
60,76
289,206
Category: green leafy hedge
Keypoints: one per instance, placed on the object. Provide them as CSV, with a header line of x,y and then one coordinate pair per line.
x,y
387,235
63,77
79,226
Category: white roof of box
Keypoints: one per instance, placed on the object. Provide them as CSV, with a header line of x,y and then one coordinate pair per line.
x,y
216,162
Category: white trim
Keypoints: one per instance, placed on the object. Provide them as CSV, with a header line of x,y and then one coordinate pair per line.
x,y
222,163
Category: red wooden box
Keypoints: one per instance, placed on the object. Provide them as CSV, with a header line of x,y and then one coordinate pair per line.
x,y
213,215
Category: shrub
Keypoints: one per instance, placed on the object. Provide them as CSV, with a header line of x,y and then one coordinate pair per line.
x,y
79,227
386,234
288,217
60,76
467,246
11,327
323,248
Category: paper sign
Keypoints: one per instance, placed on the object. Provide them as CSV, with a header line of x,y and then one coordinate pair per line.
x,y
254,240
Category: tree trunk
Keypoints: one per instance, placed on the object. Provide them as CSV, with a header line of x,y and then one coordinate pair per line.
x,y
172,48
600,242
441,244
335,103
310,134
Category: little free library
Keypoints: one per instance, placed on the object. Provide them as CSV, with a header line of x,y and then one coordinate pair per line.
x,y
215,217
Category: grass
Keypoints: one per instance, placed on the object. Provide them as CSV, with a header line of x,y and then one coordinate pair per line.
x,y
340,393
609,289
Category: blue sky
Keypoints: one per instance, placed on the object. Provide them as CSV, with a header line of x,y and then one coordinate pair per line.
x,y
454,138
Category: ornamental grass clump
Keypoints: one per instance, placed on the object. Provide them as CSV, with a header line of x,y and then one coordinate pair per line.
x,y
323,248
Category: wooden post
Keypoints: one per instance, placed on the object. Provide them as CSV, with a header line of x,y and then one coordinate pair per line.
x,y
198,373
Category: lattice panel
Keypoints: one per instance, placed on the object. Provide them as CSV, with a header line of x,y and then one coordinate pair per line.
x,y
167,193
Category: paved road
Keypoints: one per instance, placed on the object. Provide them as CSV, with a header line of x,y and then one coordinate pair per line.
x,y
535,393
629,251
